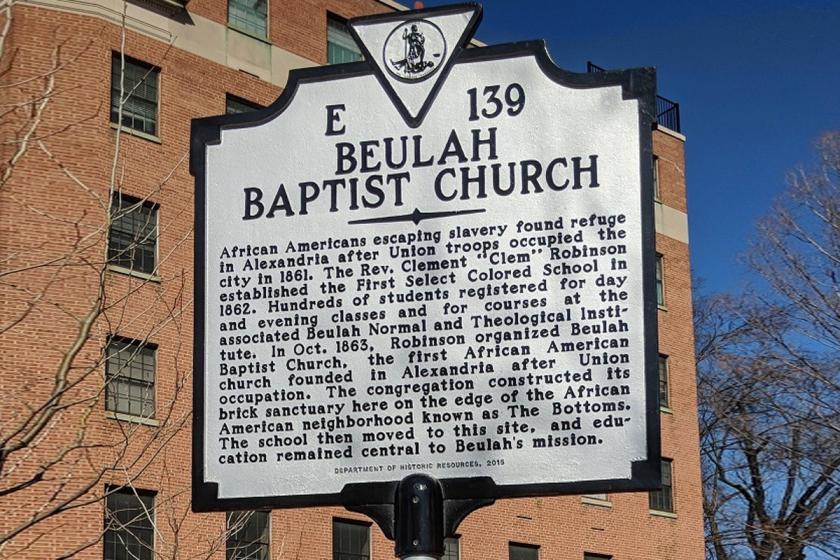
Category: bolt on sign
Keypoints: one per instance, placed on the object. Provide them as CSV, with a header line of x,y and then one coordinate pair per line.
x,y
438,260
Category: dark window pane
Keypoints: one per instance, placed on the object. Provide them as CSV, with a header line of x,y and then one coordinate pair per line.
x,y
129,532
130,375
248,535
656,192
235,105
663,500
340,44
523,552
664,400
451,549
249,16
351,541
132,237
660,284
139,95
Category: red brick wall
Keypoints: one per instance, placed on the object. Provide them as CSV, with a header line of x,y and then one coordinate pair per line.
x,y
671,154
55,205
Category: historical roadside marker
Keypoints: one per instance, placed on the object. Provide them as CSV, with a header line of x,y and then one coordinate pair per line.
x,y
436,261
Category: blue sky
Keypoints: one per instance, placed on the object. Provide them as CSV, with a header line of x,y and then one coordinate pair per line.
x,y
757,82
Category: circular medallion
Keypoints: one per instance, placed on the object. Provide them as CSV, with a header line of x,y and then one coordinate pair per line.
x,y
414,50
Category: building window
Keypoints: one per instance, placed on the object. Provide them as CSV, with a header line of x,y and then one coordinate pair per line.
x,y
523,552
664,400
129,526
235,105
596,556
663,500
130,375
660,281
340,44
139,95
351,540
250,16
451,549
656,194
247,535
132,237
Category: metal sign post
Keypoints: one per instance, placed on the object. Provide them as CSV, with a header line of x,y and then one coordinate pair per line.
x,y
424,282
420,515
419,518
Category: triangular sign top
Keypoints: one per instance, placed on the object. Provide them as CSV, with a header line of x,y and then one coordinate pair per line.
x,y
412,51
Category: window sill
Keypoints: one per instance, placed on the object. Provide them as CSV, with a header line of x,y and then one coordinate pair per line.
x,y
134,273
171,7
661,307
596,502
137,133
666,410
131,418
666,514
233,27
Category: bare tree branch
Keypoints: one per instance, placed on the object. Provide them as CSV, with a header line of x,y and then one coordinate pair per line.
x,y
769,383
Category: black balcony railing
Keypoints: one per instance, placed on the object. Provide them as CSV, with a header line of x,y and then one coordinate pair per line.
x,y
667,111
593,67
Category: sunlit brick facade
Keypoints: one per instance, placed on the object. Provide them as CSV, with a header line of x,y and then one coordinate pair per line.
x,y
53,246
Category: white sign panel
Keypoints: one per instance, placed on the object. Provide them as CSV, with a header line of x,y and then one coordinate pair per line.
x,y
437,261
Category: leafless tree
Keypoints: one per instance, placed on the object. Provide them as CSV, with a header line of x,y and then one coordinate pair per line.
x,y
769,383
60,303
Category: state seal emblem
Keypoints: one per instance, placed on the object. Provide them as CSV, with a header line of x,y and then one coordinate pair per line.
x,y
414,50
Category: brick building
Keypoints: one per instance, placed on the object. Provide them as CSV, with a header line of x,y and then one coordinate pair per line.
x,y
96,205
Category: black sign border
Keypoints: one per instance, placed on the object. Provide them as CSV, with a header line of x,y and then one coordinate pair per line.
x,y
637,83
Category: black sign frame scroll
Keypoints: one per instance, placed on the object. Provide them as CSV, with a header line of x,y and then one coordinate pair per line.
x,y
395,504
